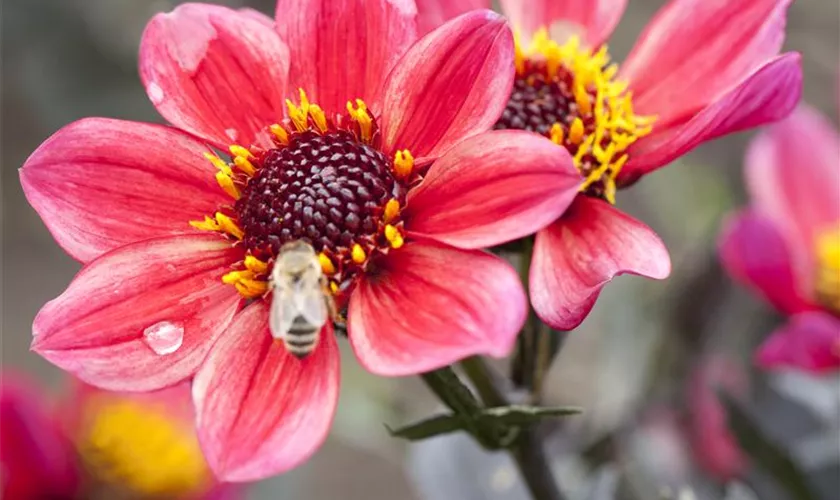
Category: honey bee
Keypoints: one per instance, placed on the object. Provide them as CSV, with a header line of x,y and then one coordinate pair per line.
x,y
301,304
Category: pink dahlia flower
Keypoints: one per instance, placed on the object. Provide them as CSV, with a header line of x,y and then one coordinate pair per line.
x,y
95,444
341,131
786,244
700,70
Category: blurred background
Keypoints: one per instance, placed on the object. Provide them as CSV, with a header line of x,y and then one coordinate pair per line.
x,y
628,365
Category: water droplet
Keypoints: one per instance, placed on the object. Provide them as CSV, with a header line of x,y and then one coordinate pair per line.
x,y
164,337
155,93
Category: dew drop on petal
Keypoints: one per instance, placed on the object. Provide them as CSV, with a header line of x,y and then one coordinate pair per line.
x,y
164,337
155,93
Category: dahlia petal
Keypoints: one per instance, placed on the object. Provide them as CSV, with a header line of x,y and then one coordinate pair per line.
x,y
452,84
260,410
695,50
809,341
492,188
38,458
215,72
793,173
162,295
430,305
592,20
755,253
581,252
769,94
99,184
342,50
433,13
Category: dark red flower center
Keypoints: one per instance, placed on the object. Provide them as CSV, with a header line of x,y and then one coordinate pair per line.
x,y
328,189
568,94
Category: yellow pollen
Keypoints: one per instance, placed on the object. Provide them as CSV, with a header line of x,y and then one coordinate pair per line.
x,y
333,287
141,448
394,237
255,265
280,133
245,282
403,163
606,124
392,209
326,264
244,165
827,282
240,151
363,118
358,254
318,117
219,163
299,114
227,185
228,225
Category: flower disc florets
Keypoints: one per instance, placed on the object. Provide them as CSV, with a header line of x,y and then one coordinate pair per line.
x,y
321,180
569,94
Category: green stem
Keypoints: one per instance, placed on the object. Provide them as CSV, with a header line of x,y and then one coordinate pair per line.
x,y
528,452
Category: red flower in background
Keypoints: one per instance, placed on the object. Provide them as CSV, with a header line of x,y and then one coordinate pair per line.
x,y
392,177
94,442
786,244
700,70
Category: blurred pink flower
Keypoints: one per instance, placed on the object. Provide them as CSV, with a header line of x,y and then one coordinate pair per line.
x,y
397,191
715,449
700,70
786,244
96,441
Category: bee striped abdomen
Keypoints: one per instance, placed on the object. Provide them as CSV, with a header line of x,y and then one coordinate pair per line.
x,y
302,337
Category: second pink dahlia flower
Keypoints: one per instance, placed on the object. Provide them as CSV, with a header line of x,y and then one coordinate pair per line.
x,y
700,70
382,161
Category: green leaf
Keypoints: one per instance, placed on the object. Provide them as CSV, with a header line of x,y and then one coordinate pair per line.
x,y
521,415
434,426
764,452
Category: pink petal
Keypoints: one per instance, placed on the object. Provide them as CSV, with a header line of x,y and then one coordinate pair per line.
x,y
452,84
492,188
767,95
809,341
430,305
755,253
592,20
215,72
95,329
433,13
99,184
261,411
342,50
792,174
582,251
695,50
36,456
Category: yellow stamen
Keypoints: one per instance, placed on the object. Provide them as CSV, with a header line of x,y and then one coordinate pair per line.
x,y
394,237
333,287
576,131
557,134
318,117
255,265
326,264
392,209
227,225
827,282
358,254
362,117
299,114
244,165
280,133
208,224
240,151
582,99
251,289
227,185
403,163
219,163
234,277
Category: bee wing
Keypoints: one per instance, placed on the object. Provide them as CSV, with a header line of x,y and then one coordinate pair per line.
x,y
312,306
282,313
